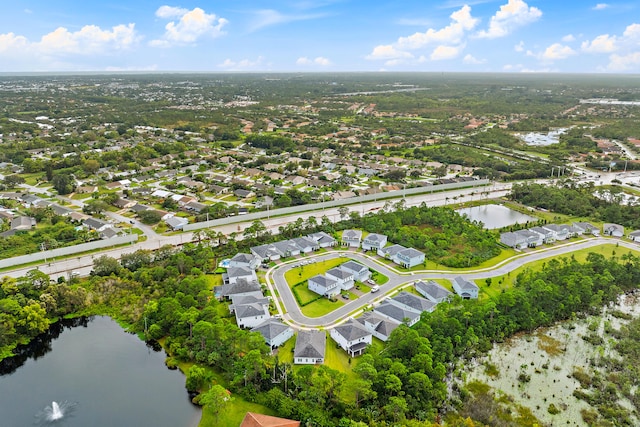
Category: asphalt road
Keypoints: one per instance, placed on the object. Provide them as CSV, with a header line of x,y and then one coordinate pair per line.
x,y
292,314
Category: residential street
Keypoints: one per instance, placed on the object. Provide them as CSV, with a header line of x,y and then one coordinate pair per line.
x,y
294,316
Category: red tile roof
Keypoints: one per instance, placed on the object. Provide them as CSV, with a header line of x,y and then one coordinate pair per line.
x,y
259,420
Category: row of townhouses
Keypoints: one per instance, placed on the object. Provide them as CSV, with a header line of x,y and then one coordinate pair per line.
x,y
405,257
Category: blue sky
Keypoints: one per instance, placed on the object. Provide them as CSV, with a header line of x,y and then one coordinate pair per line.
x,y
321,35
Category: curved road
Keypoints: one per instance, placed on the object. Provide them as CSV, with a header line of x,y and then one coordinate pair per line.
x,y
292,314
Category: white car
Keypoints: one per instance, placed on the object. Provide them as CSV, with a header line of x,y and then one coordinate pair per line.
x,y
375,289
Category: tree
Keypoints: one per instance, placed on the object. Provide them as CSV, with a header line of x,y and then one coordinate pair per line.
x,y
197,378
150,217
63,183
12,181
215,400
95,207
105,266
343,211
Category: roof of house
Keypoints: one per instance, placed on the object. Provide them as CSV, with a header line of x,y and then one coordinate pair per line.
x,y
239,272
352,234
94,223
339,273
176,221
465,284
260,420
240,287
323,281
322,237
393,249
304,242
266,251
410,253
395,312
271,328
415,302
242,257
432,288
354,266
374,237
310,344
249,310
380,323
634,233
352,330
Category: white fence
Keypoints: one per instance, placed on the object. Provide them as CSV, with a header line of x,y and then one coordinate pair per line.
x,y
334,203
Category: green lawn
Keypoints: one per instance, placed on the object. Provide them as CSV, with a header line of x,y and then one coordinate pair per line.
x,y
379,278
321,307
304,272
304,295
214,280
232,414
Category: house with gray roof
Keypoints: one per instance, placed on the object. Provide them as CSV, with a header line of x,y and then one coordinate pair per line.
x,y
323,239
634,236
359,271
548,236
287,248
587,228
560,232
432,291
251,315
323,285
352,238
613,230
343,277
266,252
374,242
239,287
234,274
305,244
176,222
95,224
397,313
274,332
310,347
379,326
465,288
249,261
22,223
409,301
409,258
390,252
255,297
352,336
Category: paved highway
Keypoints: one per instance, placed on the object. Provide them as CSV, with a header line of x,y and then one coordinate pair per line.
x,y
292,314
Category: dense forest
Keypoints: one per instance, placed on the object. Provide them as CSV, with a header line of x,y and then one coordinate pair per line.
x,y
581,200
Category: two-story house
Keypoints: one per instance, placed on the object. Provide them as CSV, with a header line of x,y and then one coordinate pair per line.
x,y
310,347
352,337
352,238
374,242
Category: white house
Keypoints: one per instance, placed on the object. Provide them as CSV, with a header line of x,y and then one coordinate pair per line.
x,y
398,314
251,315
359,271
310,347
409,258
305,244
374,242
635,236
548,236
266,252
234,274
352,238
176,222
408,301
587,228
465,288
323,285
323,239
390,252
287,248
379,326
274,332
343,277
561,232
432,291
352,337
613,230
249,261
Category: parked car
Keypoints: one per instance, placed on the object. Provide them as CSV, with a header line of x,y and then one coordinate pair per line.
x,y
375,289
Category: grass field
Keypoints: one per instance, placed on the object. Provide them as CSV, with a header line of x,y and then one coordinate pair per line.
x,y
304,272
321,307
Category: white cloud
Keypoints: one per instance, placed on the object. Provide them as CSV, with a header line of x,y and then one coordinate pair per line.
x,y
604,43
244,64
168,12
191,25
600,6
569,38
632,32
557,51
89,40
449,40
388,52
519,47
445,52
514,14
630,61
470,59
461,21
269,17
303,60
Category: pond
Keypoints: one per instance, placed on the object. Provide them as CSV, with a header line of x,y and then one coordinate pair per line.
x,y
541,139
89,372
495,216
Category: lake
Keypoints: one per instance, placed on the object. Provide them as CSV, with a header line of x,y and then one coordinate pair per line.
x,y
495,216
98,375
541,139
